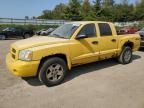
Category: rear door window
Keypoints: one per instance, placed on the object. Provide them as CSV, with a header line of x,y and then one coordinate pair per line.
x,y
105,29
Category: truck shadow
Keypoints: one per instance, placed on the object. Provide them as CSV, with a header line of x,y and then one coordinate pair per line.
x,y
80,70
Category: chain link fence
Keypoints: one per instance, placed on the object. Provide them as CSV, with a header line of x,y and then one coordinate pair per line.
x,y
31,21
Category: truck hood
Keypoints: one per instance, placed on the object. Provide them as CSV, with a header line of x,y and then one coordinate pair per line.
x,y
37,41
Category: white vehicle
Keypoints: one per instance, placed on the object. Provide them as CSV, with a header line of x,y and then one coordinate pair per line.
x,y
141,33
47,32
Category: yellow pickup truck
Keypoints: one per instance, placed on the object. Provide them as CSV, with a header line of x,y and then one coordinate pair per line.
x,y
72,44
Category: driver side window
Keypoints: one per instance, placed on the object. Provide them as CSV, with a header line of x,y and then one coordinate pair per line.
x,y
88,30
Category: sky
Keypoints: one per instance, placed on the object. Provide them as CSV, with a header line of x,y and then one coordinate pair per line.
x,y
22,8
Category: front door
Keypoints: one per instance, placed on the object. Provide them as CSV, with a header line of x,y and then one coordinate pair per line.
x,y
86,50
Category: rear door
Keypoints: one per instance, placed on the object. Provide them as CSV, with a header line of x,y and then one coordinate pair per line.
x,y
108,41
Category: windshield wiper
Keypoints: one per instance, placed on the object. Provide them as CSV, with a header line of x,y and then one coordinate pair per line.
x,y
57,35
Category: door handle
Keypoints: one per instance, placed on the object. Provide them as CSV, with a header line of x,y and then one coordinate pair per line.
x,y
95,42
113,40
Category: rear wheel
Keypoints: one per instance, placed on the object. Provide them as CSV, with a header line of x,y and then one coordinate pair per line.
x,y
126,55
53,71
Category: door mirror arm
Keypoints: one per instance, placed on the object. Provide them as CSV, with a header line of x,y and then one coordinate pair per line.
x,y
81,37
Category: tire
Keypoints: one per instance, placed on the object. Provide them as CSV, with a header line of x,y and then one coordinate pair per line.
x,y
53,71
26,35
126,55
2,37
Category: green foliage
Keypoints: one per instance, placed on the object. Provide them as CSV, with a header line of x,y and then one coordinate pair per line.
x,y
97,9
105,10
108,3
86,7
73,11
59,11
47,14
123,13
87,12
140,10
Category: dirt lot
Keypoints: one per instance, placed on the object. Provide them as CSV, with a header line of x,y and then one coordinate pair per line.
x,y
105,84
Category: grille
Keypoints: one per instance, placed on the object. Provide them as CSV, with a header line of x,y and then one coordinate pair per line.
x,y
13,56
13,50
13,53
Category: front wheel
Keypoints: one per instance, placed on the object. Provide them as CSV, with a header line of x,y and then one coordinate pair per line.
x,y
53,71
26,36
126,55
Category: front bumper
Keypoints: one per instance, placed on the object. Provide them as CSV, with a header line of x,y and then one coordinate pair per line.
x,y
22,68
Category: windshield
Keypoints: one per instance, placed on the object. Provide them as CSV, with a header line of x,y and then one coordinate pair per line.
x,y
65,31
8,29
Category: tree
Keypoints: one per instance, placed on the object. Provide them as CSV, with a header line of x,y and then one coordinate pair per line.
x,y
73,11
140,10
87,11
124,13
59,11
107,10
97,7
108,3
47,14
86,7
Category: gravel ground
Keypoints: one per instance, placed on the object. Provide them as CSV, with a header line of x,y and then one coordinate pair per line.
x,y
105,84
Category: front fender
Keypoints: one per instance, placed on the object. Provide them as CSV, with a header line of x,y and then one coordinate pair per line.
x,y
51,50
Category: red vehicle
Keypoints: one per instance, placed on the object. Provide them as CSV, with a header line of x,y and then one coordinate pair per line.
x,y
128,30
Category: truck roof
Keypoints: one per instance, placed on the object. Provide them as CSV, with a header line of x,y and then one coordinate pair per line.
x,y
86,22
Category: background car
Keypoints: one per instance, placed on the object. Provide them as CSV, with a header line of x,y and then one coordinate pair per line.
x,y
47,32
128,30
141,33
39,32
15,32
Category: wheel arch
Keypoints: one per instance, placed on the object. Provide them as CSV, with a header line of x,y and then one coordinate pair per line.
x,y
62,56
128,43
26,33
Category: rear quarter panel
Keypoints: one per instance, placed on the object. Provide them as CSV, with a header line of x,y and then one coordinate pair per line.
x,y
134,38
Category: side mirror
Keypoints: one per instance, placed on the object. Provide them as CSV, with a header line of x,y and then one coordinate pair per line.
x,y
81,36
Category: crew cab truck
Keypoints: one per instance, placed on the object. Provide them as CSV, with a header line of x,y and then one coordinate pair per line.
x,y
72,44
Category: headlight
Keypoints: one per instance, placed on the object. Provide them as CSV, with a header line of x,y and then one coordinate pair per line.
x,y
25,55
